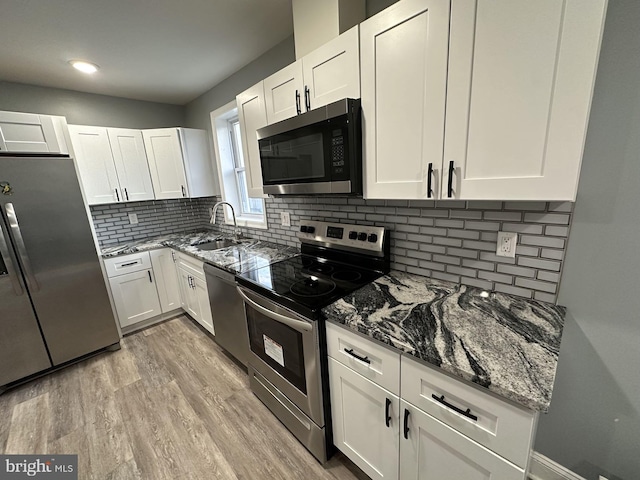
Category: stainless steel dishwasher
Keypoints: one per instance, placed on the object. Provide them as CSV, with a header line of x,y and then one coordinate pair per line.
x,y
227,309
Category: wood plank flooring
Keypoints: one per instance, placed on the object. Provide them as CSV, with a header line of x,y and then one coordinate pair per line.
x,y
168,405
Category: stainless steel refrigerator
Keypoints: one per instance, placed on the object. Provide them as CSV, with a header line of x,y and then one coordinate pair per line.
x,y
54,306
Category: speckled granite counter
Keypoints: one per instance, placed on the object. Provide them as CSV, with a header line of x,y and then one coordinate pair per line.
x,y
505,343
246,256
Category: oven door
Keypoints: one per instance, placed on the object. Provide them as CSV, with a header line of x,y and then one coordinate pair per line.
x,y
285,350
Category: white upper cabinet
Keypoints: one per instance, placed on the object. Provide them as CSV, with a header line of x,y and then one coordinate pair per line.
x,y
404,82
113,164
31,133
513,79
95,163
179,162
332,72
130,159
521,77
325,75
283,93
252,116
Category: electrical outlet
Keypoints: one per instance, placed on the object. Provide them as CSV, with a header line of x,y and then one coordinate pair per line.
x,y
507,244
133,218
286,219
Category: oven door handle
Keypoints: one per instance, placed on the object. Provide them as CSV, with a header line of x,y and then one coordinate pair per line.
x,y
298,325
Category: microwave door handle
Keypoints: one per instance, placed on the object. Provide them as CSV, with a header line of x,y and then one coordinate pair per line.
x,y
298,325
8,262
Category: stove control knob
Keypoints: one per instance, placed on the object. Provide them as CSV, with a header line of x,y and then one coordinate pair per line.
x,y
304,229
362,236
353,235
311,229
373,238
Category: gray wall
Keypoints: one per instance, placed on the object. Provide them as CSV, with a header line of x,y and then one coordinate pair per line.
x,y
88,108
197,111
593,426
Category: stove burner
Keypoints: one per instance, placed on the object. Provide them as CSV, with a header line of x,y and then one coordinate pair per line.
x,y
346,276
320,268
312,287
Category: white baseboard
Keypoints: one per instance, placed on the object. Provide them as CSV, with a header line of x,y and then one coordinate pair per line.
x,y
543,468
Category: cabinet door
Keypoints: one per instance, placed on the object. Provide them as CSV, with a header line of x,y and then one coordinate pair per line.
x,y
252,115
360,431
27,133
95,163
165,162
204,307
131,164
434,451
284,93
164,269
197,163
404,74
135,296
520,81
332,72
187,296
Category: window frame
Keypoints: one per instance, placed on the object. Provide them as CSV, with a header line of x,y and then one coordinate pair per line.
x,y
227,158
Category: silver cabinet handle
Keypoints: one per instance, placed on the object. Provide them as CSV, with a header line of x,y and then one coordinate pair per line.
x,y
8,261
22,250
298,325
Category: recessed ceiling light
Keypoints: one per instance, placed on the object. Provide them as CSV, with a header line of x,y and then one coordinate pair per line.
x,y
84,67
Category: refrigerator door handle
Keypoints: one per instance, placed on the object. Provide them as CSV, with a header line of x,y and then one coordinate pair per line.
x,y
8,262
20,247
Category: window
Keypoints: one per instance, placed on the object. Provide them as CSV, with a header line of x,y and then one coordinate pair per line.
x,y
249,206
227,139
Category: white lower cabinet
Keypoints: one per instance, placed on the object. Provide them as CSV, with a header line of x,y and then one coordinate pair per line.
x,y
389,437
193,290
135,296
360,426
431,450
164,268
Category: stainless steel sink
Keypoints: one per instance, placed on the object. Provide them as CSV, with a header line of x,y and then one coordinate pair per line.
x,y
217,244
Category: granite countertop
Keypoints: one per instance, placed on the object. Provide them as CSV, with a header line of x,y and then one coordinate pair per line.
x,y
247,255
505,343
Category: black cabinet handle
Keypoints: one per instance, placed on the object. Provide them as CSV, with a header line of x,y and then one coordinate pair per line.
x,y
126,194
429,175
467,413
406,423
355,355
298,110
451,172
117,194
307,98
387,416
184,192
149,272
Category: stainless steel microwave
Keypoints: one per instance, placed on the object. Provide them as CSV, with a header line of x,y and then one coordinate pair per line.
x,y
317,152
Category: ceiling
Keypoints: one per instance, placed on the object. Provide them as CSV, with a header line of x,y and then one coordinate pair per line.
x,y
167,51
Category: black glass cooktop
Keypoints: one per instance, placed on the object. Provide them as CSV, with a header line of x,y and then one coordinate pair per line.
x,y
307,283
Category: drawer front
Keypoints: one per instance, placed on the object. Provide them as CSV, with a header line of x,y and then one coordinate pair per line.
x,y
127,264
383,367
194,266
502,427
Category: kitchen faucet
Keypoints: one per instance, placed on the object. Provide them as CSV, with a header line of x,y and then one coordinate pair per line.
x,y
212,220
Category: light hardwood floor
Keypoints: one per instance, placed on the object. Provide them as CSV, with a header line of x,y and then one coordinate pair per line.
x,y
168,405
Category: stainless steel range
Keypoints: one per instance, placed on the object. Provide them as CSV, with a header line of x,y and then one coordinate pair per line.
x,y
287,358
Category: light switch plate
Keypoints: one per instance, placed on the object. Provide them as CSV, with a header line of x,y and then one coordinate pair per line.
x,y
507,244
133,218
286,219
